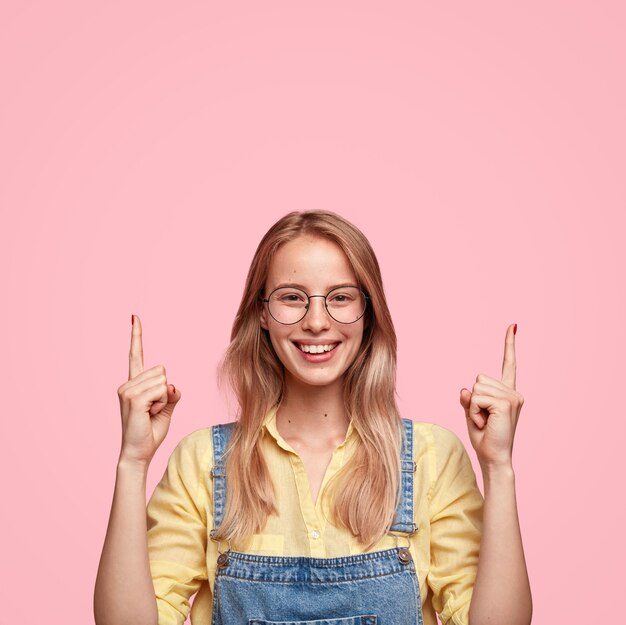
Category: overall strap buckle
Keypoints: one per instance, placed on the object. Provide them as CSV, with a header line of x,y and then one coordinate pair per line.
x,y
404,552
222,558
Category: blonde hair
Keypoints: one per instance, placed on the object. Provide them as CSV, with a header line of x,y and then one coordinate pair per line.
x,y
364,492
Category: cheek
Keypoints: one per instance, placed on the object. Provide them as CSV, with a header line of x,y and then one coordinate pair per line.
x,y
358,335
356,340
277,339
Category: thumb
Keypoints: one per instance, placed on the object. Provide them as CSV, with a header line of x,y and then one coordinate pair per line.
x,y
465,398
165,408
173,395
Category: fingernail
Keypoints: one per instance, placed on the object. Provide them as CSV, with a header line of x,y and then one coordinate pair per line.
x,y
174,391
515,329
132,319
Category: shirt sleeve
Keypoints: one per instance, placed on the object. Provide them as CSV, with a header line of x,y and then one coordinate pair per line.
x,y
456,509
177,527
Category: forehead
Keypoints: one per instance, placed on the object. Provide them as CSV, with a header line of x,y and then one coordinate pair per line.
x,y
313,262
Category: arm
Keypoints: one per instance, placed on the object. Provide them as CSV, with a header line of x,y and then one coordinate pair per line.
x,y
502,589
124,593
154,557
178,513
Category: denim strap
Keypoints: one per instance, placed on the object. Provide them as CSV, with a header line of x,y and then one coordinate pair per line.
x,y
221,437
404,521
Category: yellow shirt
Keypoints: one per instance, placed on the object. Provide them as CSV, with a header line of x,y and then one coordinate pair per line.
x,y
447,505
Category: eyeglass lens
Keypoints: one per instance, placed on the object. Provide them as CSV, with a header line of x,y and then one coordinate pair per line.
x,y
344,304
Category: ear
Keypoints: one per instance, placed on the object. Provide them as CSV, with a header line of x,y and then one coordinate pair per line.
x,y
369,320
263,317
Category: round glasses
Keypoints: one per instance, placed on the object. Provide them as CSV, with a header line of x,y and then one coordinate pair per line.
x,y
288,305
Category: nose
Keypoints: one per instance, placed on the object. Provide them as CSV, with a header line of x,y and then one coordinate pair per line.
x,y
317,317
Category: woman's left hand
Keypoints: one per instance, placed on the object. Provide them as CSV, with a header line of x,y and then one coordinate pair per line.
x,y
492,410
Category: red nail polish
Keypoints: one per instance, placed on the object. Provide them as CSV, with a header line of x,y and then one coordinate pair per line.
x,y
515,329
132,319
174,391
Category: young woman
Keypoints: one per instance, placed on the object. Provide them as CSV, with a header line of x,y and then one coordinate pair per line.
x,y
320,504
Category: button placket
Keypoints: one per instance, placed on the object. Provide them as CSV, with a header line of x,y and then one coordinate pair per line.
x,y
309,513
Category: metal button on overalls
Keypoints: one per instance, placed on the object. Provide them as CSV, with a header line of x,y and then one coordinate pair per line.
x,y
404,555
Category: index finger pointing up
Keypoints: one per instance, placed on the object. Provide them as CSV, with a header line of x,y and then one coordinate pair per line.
x,y
135,356
509,365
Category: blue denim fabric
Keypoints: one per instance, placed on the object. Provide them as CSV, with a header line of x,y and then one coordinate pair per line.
x,y
377,588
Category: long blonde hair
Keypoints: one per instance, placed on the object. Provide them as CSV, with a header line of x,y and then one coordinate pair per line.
x,y
365,491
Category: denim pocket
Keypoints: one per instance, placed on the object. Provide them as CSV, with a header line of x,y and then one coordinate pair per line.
x,y
368,619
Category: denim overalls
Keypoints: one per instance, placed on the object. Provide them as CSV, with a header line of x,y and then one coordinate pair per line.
x,y
376,588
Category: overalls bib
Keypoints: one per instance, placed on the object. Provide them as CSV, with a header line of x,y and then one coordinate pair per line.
x,y
376,588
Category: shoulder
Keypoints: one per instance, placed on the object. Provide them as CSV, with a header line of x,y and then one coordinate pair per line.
x,y
436,436
196,449
202,436
195,440
448,470
439,447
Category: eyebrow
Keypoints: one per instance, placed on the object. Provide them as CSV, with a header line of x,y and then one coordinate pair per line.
x,y
303,288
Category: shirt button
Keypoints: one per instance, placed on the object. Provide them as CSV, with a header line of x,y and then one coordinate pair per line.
x,y
315,534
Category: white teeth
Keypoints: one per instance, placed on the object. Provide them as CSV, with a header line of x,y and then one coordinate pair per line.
x,y
316,349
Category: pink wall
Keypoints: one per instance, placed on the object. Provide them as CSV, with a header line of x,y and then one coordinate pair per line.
x,y
145,147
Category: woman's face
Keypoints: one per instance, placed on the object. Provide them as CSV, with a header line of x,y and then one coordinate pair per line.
x,y
315,265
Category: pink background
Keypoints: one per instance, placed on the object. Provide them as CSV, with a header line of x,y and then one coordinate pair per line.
x,y
146,147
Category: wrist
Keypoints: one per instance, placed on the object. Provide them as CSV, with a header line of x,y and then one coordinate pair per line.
x,y
131,465
497,472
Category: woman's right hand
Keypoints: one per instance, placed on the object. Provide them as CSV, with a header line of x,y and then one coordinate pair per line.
x,y
146,403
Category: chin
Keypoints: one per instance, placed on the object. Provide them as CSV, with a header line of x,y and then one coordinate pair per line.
x,y
314,380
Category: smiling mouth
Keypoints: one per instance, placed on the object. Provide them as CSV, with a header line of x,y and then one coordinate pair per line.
x,y
316,349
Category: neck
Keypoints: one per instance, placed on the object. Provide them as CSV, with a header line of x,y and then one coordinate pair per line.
x,y
312,412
